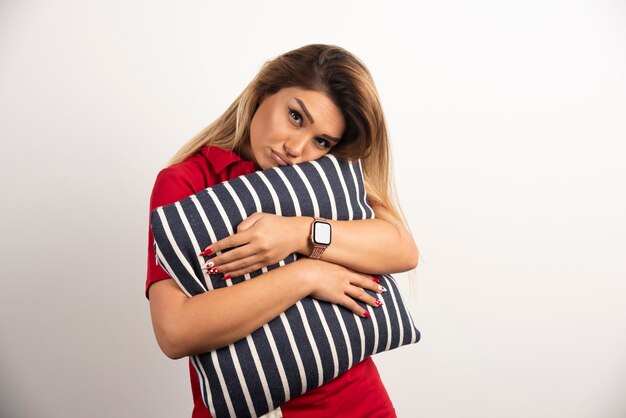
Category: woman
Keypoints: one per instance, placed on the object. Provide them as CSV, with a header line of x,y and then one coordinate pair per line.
x,y
302,105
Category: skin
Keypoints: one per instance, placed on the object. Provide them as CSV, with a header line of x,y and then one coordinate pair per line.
x,y
282,132
293,126
290,127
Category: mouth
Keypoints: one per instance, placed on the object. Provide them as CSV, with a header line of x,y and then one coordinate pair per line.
x,y
279,159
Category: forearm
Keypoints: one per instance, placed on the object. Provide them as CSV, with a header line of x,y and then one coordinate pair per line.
x,y
373,246
185,326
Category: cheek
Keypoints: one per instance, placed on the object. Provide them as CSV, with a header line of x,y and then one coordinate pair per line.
x,y
257,130
271,130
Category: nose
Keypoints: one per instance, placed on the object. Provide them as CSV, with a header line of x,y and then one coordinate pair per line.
x,y
294,146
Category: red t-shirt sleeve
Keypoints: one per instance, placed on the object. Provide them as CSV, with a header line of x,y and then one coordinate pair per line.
x,y
172,184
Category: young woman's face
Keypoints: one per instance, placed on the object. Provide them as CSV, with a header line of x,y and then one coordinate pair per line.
x,y
293,126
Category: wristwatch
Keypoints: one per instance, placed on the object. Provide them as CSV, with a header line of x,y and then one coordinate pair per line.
x,y
321,236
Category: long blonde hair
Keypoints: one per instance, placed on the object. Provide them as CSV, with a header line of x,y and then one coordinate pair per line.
x,y
346,80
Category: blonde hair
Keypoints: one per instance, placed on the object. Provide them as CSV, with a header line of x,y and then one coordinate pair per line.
x,y
347,81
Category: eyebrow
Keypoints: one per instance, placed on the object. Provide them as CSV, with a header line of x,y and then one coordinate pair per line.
x,y
305,110
310,118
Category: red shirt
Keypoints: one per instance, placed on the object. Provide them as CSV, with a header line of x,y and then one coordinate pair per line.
x,y
359,392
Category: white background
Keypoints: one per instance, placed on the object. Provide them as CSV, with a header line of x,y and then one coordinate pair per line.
x,y
508,122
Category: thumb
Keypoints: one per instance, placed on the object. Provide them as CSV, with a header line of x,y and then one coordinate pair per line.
x,y
248,222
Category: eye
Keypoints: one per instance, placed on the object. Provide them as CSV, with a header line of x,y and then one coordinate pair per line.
x,y
322,143
295,115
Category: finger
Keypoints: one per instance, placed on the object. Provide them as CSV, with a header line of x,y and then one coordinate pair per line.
x,y
236,254
246,270
225,243
359,293
354,307
249,221
241,267
369,283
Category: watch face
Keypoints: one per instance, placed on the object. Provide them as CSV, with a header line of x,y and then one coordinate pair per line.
x,y
321,233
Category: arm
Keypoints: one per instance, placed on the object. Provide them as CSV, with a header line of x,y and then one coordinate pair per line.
x,y
185,326
376,246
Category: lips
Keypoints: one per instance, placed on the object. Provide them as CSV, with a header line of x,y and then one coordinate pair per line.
x,y
279,159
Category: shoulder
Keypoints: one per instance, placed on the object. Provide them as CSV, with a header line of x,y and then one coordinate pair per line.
x,y
209,166
180,180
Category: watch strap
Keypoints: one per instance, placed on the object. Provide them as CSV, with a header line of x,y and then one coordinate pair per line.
x,y
317,252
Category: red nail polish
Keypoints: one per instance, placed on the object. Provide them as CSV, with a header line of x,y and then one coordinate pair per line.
x,y
208,251
375,279
379,302
366,314
214,270
226,277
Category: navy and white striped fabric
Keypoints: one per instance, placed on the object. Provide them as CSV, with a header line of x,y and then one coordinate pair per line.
x,y
313,341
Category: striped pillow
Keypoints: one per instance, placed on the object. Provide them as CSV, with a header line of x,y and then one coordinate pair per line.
x,y
313,341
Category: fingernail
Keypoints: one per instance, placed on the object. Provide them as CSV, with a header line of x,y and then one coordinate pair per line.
x,y
379,302
375,279
209,264
366,314
214,271
208,251
382,289
226,277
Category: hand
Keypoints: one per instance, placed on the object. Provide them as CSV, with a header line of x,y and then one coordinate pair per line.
x,y
337,284
261,240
